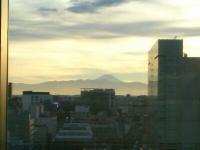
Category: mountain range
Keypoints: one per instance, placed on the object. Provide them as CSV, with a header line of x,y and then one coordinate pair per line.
x,y
73,87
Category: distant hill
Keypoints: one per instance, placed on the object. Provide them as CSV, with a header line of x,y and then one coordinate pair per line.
x,y
73,87
109,78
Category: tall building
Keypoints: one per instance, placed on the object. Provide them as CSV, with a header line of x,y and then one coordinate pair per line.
x,y
174,83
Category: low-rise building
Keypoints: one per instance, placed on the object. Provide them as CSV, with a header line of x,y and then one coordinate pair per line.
x,y
78,132
98,99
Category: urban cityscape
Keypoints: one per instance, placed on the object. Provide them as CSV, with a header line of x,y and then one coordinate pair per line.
x,y
100,75
165,118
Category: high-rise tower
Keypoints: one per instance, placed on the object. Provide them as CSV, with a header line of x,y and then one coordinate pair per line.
x,y
174,82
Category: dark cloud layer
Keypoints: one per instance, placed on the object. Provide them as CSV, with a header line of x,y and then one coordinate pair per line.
x,y
92,6
39,30
46,27
43,9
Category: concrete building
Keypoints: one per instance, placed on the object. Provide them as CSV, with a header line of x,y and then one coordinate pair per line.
x,y
174,84
121,104
50,122
74,136
30,98
82,113
21,129
75,132
98,99
40,137
104,132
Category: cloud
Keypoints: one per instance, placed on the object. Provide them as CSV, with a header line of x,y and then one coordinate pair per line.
x,y
43,9
49,29
183,31
47,11
137,53
36,21
73,73
93,6
82,70
38,30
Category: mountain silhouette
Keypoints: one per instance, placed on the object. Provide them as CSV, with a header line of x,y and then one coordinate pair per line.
x,y
108,77
73,87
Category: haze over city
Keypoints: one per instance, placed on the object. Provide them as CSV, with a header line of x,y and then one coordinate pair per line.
x,y
100,74
72,39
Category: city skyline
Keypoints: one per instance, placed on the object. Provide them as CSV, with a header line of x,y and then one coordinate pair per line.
x,y
69,40
73,87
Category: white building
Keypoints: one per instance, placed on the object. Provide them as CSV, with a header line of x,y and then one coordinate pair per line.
x,y
30,98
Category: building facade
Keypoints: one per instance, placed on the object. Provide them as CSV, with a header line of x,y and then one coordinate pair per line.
x,y
30,98
21,130
173,82
98,99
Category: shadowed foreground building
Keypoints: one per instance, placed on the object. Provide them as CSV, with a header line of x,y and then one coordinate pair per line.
x,y
174,85
98,99
20,130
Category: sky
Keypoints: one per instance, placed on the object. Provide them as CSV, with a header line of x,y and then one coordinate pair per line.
x,y
84,39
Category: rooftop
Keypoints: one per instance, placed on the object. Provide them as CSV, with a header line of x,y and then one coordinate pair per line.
x,y
35,93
